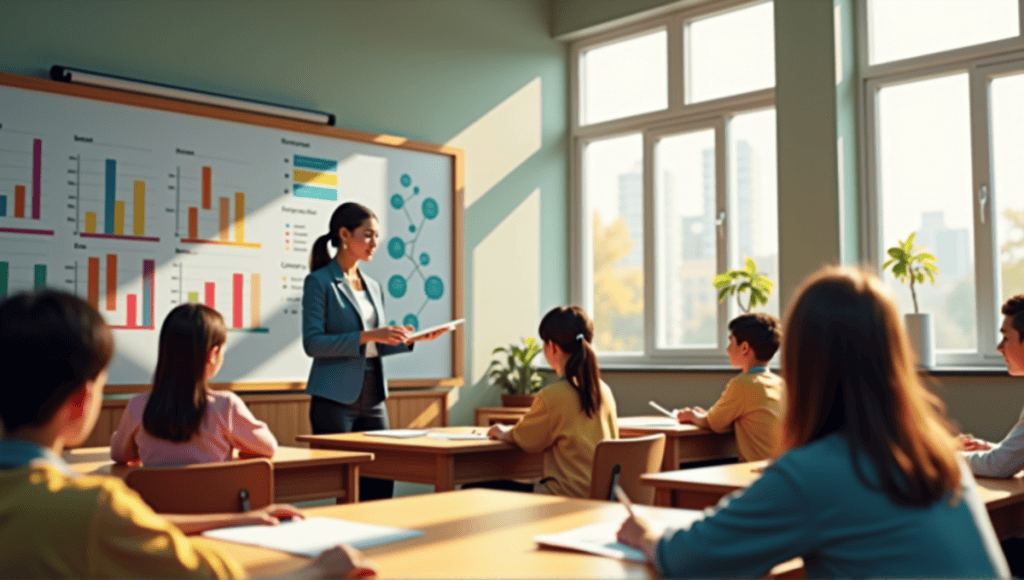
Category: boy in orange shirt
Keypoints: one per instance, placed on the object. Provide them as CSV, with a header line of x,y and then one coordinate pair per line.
x,y
753,402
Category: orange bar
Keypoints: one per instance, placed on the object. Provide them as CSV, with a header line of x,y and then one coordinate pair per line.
x,y
118,218
254,302
225,218
207,187
239,216
111,282
94,282
90,222
19,201
193,223
139,209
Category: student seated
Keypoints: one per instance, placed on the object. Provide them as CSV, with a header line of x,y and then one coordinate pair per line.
x,y
182,420
1005,458
54,349
753,402
871,485
570,417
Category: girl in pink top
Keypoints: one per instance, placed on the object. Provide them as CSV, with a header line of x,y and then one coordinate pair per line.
x,y
182,421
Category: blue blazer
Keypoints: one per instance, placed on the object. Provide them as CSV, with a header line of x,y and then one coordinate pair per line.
x,y
331,323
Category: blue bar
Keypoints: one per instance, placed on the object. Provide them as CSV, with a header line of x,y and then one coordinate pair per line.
x,y
303,190
3,205
304,162
108,205
40,276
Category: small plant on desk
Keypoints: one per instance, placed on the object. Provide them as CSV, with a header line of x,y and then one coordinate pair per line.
x,y
515,373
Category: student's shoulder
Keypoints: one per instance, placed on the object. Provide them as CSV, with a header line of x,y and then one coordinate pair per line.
x,y
138,402
223,399
76,495
827,458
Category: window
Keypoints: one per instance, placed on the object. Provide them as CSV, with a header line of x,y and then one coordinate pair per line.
x,y
943,158
675,178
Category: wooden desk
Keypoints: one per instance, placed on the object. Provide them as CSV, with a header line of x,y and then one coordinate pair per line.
x,y
683,443
703,487
441,463
487,416
300,474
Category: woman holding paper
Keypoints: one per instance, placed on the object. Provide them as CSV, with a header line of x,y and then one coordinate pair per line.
x,y
342,329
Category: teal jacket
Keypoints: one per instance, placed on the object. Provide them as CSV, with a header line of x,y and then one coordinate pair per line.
x,y
811,503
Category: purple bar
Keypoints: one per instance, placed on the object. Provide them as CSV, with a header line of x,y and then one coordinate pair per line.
x,y
37,176
117,237
24,231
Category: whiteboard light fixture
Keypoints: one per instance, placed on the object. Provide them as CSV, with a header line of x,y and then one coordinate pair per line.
x,y
73,75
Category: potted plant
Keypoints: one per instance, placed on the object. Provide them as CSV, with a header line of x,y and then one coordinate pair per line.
x,y
742,281
913,265
515,373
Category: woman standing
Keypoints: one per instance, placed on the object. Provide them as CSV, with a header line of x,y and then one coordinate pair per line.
x,y
342,329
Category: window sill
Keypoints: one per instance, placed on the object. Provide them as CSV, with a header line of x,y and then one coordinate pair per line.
x,y
950,371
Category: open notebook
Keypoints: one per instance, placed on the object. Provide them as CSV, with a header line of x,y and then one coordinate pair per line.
x,y
311,536
599,539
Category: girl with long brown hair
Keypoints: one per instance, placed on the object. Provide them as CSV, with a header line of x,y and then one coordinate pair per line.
x,y
570,417
869,485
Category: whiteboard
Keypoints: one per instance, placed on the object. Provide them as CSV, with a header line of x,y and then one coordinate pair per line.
x,y
138,204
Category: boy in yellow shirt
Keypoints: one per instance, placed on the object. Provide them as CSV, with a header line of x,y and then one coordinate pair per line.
x,y
54,349
753,402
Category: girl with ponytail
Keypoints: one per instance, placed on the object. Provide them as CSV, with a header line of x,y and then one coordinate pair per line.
x,y
569,417
343,329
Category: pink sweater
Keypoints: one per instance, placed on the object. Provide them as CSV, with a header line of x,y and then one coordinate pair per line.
x,y
228,424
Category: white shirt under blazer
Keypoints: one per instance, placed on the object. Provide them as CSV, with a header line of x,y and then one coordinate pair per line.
x,y
331,323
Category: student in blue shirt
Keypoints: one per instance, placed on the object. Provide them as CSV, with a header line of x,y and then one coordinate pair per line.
x,y
871,485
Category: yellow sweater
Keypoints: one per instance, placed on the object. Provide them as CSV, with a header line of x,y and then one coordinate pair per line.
x,y
752,405
556,425
56,526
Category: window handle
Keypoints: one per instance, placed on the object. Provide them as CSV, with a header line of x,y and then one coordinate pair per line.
x,y
720,222
983,201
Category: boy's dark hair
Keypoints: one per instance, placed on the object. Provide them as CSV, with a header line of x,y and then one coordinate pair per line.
x,y
763,332
1014,308
51,344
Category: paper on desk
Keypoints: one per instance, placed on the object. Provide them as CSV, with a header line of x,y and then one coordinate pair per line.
x,y
399,433
311,536
456,436
647,422
600,539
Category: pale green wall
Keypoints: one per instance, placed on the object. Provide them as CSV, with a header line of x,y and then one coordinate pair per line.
x,y
569,17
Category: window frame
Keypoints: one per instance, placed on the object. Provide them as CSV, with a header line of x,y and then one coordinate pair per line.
x,y
674,119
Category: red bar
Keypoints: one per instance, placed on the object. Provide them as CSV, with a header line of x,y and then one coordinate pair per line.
x,y
130,321
94,282
207,187
111,282
193,223
236,295
19,201
210,291
37,176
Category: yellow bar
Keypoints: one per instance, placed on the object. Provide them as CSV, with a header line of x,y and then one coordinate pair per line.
x,y
118,218
139,210
90,222
314,177
239,216
254,303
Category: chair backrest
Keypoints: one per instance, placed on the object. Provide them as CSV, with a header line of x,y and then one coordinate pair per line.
x,y
226,486
625,460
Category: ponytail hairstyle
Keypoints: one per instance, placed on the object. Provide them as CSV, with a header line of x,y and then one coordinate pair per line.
x,y
349,215
572,330
178,401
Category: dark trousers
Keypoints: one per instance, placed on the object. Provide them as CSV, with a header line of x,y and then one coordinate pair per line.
x,y
367,413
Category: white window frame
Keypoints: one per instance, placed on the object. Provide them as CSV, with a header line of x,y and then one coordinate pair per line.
x,y
677,117
981,63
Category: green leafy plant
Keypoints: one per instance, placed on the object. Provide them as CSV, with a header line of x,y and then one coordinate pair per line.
x,y
514,372
909,263
741,281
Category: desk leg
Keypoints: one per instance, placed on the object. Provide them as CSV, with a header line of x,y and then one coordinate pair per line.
x,y
663,497
445,473
352,483
671,460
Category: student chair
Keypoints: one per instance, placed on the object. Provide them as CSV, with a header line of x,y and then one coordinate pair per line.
x,y
227,486
623,461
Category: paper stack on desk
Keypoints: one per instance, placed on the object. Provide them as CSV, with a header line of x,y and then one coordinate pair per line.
x,y
311,536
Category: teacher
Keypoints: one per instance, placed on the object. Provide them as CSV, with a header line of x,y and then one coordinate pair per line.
x,y
342,329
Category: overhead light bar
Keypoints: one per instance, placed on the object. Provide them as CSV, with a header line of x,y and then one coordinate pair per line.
x,y
73,75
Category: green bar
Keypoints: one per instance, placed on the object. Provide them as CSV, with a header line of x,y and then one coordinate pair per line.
x,y
3,279
40,275
193,297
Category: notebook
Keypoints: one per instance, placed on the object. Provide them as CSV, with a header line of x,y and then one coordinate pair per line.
x,y
311,536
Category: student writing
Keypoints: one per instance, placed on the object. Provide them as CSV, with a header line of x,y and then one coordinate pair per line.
x,y
570,417
182,420
753,402
871,485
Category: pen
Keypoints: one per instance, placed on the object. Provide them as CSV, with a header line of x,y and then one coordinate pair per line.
x,y
620,494
662,409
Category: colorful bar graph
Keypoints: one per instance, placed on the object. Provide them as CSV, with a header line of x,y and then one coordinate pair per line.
x,y
40,276
5,272
211,290
193,222
139,209
3,206
239,216
37,176
90,222
224,215
148,275
93,281
19,201
118,218
108,203
193,297
132,300
254,301
236,300
207,187
111,282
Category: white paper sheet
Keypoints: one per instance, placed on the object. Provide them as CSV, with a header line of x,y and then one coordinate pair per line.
x,y
311,536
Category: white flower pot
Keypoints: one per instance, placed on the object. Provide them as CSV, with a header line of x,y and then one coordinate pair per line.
x,y
919,329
